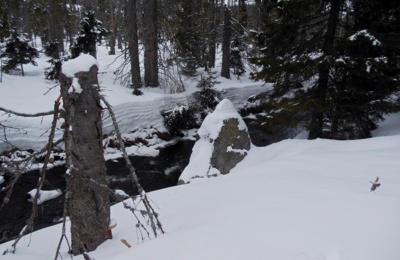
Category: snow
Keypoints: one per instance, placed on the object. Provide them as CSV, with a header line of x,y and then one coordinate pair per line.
x,y
366,34
44,195
294,200
81,63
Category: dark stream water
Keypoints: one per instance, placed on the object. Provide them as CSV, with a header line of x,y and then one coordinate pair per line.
x,y
154,173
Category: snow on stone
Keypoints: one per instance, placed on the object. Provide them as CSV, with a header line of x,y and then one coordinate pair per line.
x,y
241,151
213,123
44,195
81,63
366,34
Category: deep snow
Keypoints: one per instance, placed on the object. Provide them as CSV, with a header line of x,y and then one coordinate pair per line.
x,y
296,199
293,200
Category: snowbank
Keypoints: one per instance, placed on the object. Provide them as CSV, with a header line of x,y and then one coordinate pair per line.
x,y
293,200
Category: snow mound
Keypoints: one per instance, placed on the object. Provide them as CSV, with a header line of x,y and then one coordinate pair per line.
x,y
81,63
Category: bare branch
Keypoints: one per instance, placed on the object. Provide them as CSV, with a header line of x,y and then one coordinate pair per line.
x,y
26,115
152,215
30,222
63,233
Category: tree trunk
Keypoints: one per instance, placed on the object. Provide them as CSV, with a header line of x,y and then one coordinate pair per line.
x,y
88,202
317,120
113,26
226,41
212,35
119,20
133,44
150,44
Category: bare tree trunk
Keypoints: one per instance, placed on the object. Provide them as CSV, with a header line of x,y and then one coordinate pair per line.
x,y
133,44
118,21
88,204
212,35
226,44
56,13
150,44
113,26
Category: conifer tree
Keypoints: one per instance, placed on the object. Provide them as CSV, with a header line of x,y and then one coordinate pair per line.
x,y
329,76
18,51
91,32
187,37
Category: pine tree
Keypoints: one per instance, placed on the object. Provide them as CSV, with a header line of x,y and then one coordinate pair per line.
x,y
236,55
188,38
51,50
91,32
329,75
207,97
367,71
18,51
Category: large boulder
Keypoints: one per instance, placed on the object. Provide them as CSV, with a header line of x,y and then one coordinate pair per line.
x,y
223,141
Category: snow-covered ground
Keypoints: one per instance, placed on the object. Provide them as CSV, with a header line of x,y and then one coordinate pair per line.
x,y
293,200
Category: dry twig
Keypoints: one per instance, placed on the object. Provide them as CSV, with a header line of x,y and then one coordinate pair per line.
x,y
152,215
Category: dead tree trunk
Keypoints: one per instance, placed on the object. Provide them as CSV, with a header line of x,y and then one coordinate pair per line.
x,y
88,202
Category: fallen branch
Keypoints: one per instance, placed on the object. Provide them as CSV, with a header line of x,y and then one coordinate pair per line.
x,y
26,115
63,232
126,243
152,215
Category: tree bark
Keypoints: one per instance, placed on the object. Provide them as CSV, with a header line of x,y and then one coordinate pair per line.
x,y
88,204
133,44
226,44
113,27
212,50
150,44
